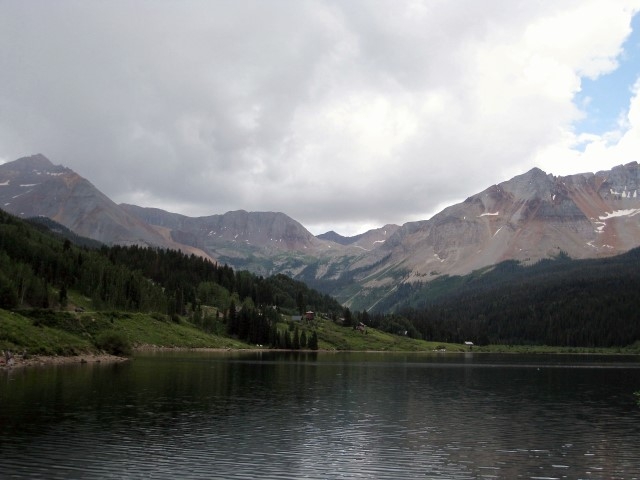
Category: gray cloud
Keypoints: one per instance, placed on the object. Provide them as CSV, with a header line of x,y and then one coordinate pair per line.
x,y
343,115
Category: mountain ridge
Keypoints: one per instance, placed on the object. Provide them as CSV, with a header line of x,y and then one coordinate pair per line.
x,y
532,216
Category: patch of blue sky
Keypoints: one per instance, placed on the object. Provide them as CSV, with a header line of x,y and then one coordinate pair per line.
x,y
607,97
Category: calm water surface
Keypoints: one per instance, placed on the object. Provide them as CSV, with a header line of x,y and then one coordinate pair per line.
x,y
345,415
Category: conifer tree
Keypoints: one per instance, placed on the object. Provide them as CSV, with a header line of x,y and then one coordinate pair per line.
x,y
348,318
232,324
313,341
62,296
296,339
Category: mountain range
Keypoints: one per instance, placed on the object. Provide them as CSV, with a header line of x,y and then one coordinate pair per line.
x,y
527,218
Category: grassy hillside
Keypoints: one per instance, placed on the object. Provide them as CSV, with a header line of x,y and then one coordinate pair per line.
x,y
64,333
44,332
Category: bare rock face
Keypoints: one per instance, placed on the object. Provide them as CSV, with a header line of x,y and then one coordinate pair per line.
x,y
366,241
532,216
261,230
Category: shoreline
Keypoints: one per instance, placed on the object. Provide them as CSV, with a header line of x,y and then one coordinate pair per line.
x,y
49,360
97,358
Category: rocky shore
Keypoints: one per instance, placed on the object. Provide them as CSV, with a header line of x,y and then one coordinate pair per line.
x,y
20,361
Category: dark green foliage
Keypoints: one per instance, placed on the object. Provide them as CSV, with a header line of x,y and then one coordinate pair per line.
x,y
8,293
392,323
38,264
291,295
313,341
296,339
300,303
349,320
63,296
114,343
560,302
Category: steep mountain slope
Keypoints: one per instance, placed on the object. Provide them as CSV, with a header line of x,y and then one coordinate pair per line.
x,y
270,230
33,186
529,217
262,242
366,241
586,302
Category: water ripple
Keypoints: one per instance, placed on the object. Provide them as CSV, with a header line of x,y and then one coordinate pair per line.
x,y
333,420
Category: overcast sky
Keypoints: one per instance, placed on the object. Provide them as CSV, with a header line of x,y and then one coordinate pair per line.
x,y
343,114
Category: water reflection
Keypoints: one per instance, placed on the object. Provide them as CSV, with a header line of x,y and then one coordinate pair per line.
x,y
279,415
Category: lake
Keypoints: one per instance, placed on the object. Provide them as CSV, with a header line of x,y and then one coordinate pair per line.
x,y
267,415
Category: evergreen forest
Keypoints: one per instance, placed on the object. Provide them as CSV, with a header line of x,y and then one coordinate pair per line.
x,y
559,301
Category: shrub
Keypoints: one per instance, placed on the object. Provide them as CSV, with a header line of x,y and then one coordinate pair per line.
x,y
114,343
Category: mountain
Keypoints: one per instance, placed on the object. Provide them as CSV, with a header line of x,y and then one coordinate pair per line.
x,y
527,218
59,230
269,230
367,240
33,186
265,243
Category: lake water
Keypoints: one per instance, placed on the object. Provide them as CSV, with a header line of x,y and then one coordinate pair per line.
x,y
320,415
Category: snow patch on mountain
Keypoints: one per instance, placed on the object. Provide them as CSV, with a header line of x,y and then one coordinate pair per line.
x,y
621,213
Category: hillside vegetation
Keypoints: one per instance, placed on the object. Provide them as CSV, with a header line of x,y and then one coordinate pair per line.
x,y
45,332
115,298
57,298
588,303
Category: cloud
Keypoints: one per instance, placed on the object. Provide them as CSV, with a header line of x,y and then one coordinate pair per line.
x,y
343,115
593,153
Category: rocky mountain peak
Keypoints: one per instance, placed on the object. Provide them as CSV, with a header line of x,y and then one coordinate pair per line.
x,y
533,184
35,164
235,231
33,186
623,180
367,241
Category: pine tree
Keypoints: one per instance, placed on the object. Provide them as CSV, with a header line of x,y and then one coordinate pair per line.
x,y
300,302
62,296
313,341
232,323
348,318
296,340
8,294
